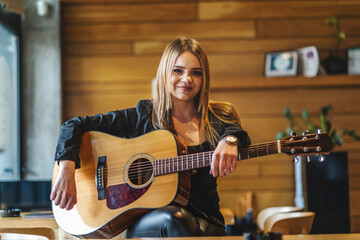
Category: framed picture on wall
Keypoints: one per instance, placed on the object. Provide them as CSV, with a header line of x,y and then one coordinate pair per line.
x,y
279,64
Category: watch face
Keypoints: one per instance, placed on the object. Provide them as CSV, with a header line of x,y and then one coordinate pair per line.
x,y
231,139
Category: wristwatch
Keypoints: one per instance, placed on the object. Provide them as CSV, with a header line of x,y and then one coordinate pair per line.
x,y
230,139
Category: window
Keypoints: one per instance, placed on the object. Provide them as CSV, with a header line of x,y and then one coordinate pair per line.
x,y
9,99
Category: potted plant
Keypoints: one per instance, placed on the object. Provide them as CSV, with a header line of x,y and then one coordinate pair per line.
x,y
326,183
335,63
324,124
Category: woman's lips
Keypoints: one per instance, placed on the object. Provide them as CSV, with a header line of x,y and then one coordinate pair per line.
x,y
185,88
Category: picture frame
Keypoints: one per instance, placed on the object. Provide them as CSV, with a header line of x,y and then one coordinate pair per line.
x,y
354,61
279,64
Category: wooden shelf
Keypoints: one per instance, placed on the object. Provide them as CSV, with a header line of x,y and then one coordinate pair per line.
x,y
244,83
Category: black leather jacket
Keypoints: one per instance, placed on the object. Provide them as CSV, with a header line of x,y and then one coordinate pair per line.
x,y
133,122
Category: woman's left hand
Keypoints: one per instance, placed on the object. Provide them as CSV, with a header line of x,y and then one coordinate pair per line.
x,y
224,159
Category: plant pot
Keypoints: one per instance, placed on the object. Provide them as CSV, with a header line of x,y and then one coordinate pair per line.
x,y
334,64
327,193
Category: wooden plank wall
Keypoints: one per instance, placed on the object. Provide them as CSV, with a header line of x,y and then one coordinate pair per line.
x,y
111,50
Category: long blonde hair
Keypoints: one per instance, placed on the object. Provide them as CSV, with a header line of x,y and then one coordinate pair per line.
x,y
162,101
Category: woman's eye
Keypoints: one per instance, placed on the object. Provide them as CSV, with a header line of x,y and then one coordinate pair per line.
x,y
197,73
177,71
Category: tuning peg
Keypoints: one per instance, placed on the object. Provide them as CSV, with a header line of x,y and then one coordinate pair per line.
x,y
293,134
308,158
296,159
306,132
321,158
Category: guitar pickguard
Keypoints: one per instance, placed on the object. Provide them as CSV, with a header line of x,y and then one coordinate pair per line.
x,y
123,194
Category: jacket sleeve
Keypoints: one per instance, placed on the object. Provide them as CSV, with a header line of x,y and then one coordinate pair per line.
x,y
125,123
238,132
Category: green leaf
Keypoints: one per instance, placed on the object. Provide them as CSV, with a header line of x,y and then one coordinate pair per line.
x,y
305,114
288,114
280,135
326,110
288,131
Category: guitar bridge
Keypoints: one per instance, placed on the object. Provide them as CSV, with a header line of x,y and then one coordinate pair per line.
x,y
101,178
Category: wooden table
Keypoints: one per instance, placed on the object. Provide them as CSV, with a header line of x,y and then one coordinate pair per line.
x,y
346,236
35,225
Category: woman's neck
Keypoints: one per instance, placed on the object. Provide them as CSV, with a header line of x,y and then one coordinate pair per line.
x,y
186,122
184,111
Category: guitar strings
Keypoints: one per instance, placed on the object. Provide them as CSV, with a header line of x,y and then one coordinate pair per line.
x,y
165,165
191,157
185,159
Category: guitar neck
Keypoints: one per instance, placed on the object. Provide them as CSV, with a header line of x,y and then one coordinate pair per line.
x,y
203,159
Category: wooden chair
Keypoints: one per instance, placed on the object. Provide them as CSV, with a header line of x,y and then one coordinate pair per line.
x,y
267,212
290,223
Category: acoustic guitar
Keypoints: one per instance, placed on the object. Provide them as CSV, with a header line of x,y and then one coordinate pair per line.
x,y
121,179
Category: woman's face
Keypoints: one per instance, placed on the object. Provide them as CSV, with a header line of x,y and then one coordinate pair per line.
x,y
186,77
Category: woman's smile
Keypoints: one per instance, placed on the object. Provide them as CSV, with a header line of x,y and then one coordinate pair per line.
x,y
186,77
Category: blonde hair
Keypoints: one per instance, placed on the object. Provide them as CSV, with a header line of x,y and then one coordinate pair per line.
x,y
162,101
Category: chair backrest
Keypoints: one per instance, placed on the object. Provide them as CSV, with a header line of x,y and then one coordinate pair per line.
x,y
290,223
267,212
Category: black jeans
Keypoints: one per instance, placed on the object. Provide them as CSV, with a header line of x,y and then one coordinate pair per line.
x,y
172,221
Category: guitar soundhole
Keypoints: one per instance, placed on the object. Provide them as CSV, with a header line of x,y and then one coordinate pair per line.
x,y
140,172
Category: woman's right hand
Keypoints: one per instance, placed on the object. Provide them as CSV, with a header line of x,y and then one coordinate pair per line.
x,y
63,193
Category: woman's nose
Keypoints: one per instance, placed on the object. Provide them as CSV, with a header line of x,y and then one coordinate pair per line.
x,y
186,78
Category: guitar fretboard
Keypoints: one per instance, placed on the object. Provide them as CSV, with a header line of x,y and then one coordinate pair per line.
x,y
203,159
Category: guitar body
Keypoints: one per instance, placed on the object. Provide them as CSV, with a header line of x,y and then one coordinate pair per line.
x,y
112,192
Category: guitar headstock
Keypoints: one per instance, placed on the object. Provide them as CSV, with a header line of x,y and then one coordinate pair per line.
x,y
307,144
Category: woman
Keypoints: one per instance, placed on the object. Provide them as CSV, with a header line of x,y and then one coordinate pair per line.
x,y
181,104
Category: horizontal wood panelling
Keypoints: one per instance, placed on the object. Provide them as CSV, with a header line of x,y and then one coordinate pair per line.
x,y
118,88
100,103
354,182
283,169
102,69
355,203
96,49
261,199
228,65
355,224
242,46
354,164
261,83
276,183
97,13
112,32
246,170
305,27
118,1
276,9
112,49
271,102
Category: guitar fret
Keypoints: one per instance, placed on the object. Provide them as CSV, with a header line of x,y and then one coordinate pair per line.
x,y
187,162
203,156
162,166
168,165
182,163
154,167
177,164
198,160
